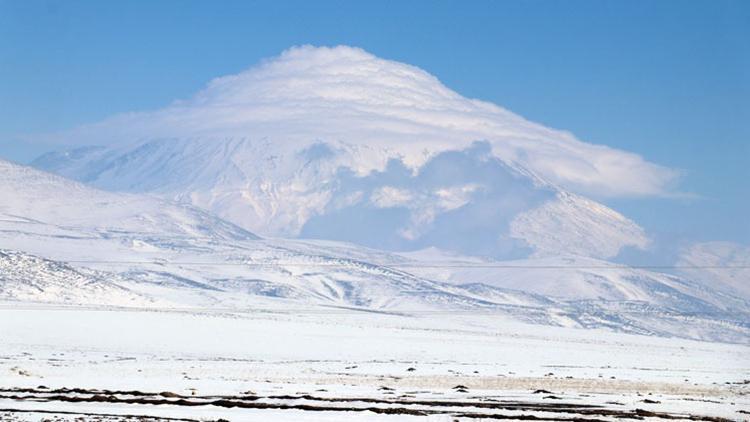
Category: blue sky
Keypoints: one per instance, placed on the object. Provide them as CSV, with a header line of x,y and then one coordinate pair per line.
x,y
667,80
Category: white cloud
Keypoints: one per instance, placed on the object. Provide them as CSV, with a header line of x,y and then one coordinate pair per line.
x,y
423,206
455,197
345,95
389,197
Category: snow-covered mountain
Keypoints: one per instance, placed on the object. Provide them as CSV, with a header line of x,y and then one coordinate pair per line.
x,y
64,242
335,143
575,278
160,245
33,198
29,278
718,265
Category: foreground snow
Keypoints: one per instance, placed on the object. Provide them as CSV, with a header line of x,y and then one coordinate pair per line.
x,y
322,357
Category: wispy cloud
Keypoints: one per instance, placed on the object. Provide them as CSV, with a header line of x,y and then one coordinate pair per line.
x,y
347,95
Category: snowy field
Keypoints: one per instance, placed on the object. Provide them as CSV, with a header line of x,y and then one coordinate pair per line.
x,y
337,364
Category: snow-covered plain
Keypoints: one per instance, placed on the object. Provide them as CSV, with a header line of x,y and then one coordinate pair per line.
x,y
324,357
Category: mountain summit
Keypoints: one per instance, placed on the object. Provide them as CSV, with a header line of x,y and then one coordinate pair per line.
x,y
337,143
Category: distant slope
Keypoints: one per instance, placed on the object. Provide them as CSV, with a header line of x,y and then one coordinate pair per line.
x,y
66,243
151,242
575,278
718,265
33,196
25,277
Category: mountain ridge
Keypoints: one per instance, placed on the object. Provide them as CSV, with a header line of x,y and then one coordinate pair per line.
x,y
167,266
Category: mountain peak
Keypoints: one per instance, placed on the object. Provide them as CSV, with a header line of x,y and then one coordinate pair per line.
x,y
329,74
57,205
336,143
311,84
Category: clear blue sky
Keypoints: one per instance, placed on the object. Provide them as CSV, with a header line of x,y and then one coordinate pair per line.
x,y
669,80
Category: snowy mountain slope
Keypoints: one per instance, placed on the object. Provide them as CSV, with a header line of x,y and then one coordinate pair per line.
x,y
718,265
151,241
25,277
306,276
339,144
85,252
596,293
31,196
574,225
270,274
575,278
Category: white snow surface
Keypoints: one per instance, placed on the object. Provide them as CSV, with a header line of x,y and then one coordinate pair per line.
x,y
32,197
29,278
347,354
576,226
113,258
